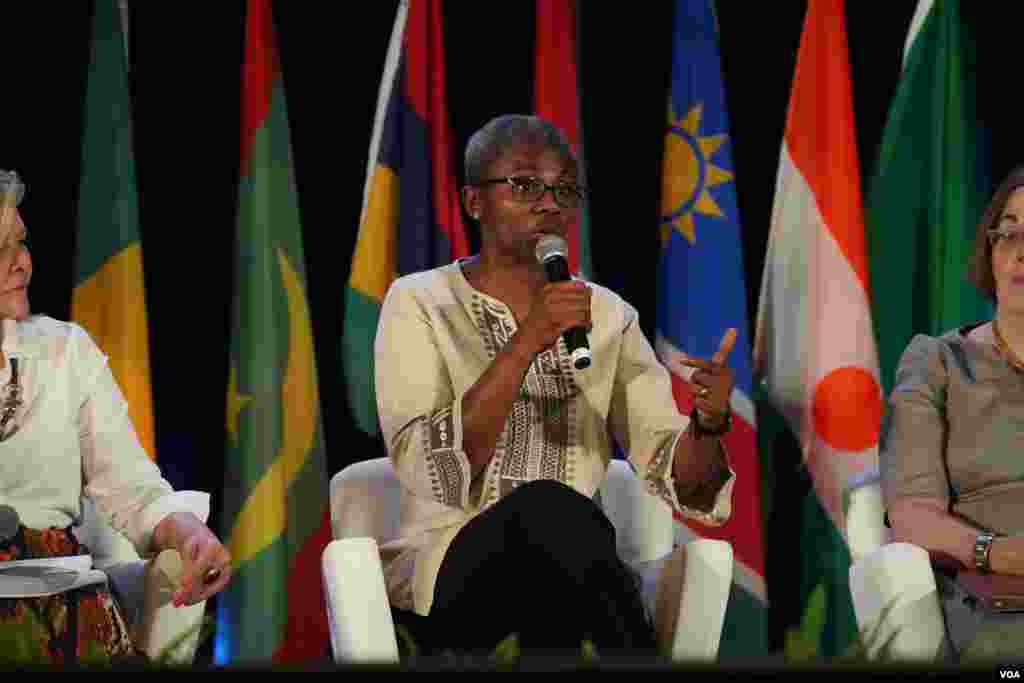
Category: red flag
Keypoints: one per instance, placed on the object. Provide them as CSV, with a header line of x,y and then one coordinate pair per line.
x,y
555,97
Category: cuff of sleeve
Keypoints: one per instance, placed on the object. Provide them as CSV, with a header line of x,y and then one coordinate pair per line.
x,y
722,509
660,480
448,466
196,502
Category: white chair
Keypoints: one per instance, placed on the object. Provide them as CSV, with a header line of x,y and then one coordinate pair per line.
x,y
892,585
687,587
144,589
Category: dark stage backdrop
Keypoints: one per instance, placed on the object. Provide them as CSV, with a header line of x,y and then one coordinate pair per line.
x,y
186,61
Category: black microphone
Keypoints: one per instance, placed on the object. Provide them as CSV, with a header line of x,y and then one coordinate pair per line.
x,y
10,522
551,251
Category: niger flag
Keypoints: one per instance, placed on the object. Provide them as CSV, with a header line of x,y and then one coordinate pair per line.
x,y
815,345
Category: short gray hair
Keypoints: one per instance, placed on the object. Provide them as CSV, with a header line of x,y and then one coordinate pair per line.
x,y
10,182
487,144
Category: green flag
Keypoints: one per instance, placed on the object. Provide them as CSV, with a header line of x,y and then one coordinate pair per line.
x,y
928,190
109,298
275,497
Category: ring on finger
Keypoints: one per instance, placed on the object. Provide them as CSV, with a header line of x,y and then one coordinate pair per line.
x,y
703,392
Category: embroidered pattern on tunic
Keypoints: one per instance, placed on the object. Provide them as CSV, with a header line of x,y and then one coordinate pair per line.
x,y
659,481
446,476
540,432
493,323
657,476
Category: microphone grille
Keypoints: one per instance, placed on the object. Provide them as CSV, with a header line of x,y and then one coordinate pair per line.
x,y
550,246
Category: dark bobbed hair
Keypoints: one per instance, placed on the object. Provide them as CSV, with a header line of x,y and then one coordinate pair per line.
x,y
979,270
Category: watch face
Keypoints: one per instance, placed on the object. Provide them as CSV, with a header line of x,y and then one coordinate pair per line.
x,y
982,546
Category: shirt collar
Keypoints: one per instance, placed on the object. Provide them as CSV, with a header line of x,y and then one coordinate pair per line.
x,y
16,344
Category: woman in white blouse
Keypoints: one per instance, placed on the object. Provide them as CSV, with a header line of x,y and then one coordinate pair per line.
x,y
65,433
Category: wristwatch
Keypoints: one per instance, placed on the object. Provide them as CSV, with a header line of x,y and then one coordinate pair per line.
x,y
982,550
699,430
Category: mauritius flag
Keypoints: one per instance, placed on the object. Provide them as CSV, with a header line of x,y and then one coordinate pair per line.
x,y
411,220
701,294
275,519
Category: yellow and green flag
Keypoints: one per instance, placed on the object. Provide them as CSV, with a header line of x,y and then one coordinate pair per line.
x,y
109,298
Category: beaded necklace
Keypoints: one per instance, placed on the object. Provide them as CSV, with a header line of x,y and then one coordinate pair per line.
x,y
12,401
1015,362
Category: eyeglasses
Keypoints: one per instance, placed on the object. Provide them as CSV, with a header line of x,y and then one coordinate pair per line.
x,y
1005,237
531,189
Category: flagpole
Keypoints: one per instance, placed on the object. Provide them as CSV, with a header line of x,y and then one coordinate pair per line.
x,y
122,5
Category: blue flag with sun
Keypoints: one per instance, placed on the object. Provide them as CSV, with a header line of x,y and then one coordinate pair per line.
x,y
701,294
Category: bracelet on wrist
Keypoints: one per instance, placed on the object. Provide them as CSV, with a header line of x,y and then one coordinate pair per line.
x,y
983,551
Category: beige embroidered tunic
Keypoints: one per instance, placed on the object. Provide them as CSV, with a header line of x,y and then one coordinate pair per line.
x,y
436,337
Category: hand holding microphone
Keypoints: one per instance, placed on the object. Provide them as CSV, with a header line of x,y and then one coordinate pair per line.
x,y
562,307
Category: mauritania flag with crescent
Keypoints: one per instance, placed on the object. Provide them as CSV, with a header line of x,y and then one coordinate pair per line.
x,y
411,219
701,294
276,518
815,346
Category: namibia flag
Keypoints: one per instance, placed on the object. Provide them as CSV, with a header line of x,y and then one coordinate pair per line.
x,y
701,294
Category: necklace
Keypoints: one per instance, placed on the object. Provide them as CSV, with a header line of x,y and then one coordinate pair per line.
x,y
12,400
1008,353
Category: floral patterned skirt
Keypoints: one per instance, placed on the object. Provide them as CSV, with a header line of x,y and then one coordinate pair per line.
x,y
80,626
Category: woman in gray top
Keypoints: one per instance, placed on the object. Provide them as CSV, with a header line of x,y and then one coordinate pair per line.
x,y
952,450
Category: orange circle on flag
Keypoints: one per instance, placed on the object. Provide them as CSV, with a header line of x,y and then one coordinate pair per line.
x,y
848,409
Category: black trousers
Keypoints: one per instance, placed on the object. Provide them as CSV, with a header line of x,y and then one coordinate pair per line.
x,y
540,563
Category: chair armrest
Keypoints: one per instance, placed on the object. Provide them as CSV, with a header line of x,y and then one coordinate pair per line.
x,y
865,516
163,630
127,581
897,605
358,612
644,527
692,596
